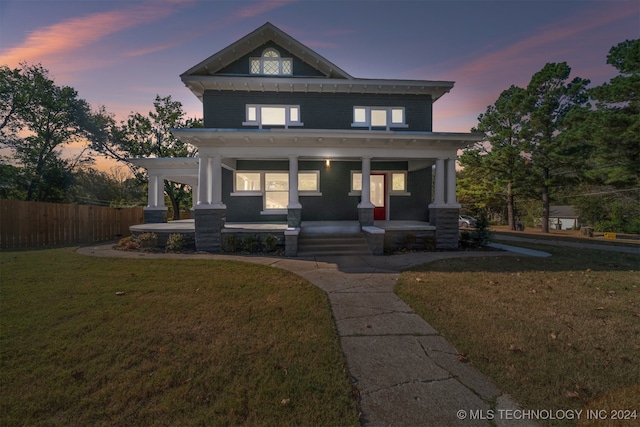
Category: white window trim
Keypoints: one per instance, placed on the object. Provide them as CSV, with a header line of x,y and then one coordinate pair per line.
x,y
389,110
261,193
258,120
388,180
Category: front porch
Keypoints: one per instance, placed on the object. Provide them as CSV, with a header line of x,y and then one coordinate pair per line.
x,y
382,237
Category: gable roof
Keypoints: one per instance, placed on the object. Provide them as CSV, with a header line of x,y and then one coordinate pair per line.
x,y
266,33
203,76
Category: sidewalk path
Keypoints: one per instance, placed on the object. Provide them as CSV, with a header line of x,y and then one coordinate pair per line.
x,y
406,372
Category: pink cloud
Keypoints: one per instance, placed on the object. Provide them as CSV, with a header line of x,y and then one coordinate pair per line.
x,y
535,49
57,40
261,7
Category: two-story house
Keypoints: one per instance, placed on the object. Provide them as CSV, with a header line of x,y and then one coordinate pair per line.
x,y
289,138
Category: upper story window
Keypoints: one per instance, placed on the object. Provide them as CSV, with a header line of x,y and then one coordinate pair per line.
x,y
379,117
271,64
273,115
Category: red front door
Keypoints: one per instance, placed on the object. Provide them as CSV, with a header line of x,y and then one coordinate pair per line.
x,y
379,196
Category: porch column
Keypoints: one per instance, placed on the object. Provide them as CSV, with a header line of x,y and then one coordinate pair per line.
x,y
294,208
152,191
194,195
438,199
202,181
210,212
365,207
216,182
155,211
160,190
451,183
443,213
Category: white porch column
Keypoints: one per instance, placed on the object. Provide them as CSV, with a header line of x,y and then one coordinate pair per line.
x,y
365,201
294,201
216,181
194,195
438,199
152,191
210,183
160,191
451,182
155,211
202,181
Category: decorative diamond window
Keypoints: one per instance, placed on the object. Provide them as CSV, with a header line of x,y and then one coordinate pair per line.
x,y
271,64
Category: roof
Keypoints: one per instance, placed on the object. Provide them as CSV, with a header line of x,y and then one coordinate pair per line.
x,y
267,32
565,211
203,76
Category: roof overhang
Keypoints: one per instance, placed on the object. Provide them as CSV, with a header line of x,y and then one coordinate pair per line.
x,y
178,169
435,89
335,144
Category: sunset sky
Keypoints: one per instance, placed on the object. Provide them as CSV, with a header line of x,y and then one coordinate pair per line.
x,y
121,53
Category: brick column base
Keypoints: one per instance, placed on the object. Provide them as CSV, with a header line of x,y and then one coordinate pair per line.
x,y
365,217
446,222
294,218
155,215
209,224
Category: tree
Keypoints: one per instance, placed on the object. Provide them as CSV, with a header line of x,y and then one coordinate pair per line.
x,y
615,123
550,100
150,136
500,154
37,119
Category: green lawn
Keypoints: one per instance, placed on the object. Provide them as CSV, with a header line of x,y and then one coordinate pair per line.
x,y
555,333
190,342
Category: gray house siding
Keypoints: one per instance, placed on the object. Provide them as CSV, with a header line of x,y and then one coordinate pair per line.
x,y
416,206
227,109
335,204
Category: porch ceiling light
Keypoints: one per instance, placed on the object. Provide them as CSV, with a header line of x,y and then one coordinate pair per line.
x,y
327,163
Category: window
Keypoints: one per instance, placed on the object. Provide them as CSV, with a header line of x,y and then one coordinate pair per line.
x,y
398,182
271,64
248,181
274,186
276,194
273,115
378,117
309,181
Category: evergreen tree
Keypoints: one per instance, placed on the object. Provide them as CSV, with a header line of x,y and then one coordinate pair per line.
x,y
500,155
550,101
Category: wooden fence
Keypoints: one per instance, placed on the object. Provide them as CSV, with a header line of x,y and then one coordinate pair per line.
x,y
36,224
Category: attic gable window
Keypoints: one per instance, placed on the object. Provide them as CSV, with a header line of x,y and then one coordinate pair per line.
x,y
271,64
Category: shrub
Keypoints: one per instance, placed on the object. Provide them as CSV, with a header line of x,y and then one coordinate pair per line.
x,y
230,243
148,240
270,243
481,236
176,242
127,244
251,244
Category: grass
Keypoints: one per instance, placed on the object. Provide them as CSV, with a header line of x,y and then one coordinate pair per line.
x,y
190,342
555,333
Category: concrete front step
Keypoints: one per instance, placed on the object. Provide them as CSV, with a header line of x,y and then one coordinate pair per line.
x,y
332,244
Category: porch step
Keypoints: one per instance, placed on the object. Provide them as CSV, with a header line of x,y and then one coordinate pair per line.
x,y
316,244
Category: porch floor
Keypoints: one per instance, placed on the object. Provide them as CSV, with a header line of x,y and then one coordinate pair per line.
x,y
320,227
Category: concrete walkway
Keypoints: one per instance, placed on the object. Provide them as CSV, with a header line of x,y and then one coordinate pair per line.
x,y
407,374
